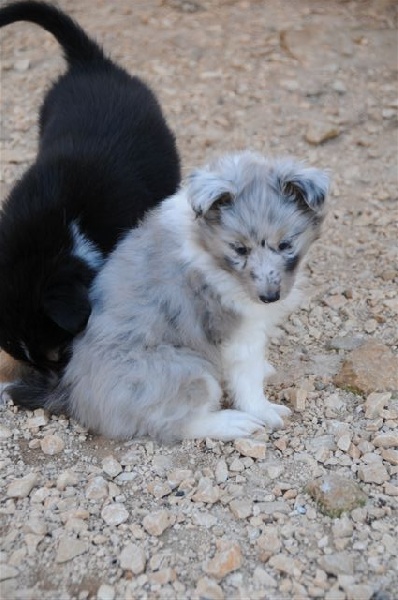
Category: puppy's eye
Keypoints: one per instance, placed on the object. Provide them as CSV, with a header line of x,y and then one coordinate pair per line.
x,y
284,246
241,250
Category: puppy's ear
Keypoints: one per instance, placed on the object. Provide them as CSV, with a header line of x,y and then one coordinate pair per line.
x,y
208,192
306,186
68,305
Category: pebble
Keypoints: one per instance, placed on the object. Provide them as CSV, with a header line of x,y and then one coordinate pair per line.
x,y
241,509
21,65
226,560
386,440
97,488
207,589
375,404
65,479
20,488
221,471
370,368
106,592
373,473
133,558
336,564
320,132
283,563
159,489
114,514
8,572
250,447
269,543
5,432
68,548
335,494
157,522
206,492
390,456
52,444
111,466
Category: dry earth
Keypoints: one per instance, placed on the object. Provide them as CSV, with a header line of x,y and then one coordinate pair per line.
x,y
83,517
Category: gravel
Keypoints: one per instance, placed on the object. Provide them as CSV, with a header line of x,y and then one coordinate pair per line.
x,y
83,517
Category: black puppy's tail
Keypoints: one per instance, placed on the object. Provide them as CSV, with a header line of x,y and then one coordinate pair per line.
x,y
40,390
76,44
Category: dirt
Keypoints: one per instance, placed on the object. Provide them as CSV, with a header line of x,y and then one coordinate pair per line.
x,y
313,79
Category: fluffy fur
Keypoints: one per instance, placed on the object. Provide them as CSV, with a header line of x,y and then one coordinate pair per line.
x,y
105,156
184,307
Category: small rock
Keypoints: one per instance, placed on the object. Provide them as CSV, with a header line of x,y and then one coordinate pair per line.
x,y
157,522
37,421
221,471
97,488
370,368
342,527
177,476
261,576
373,473
269,543
335,494
298,398
344,442
159,489
241,509
347,342
5,433
163,576
337,564
8,572
114,514
225,561
319,132
237,466
283,563
52,444
208,589
106,592
111,466
133,558
206,492
68,548
390,456
386,440
250,447
360,590
65,479
375,404
21,488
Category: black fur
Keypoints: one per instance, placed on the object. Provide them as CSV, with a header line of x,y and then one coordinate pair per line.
x,y
106,155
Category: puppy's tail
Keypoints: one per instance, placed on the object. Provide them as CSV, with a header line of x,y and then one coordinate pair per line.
x,y
40,390
76,44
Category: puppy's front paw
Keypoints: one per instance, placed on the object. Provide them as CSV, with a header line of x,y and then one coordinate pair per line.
x,y
270,414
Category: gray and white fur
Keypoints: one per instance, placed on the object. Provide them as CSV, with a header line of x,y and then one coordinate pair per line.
x,y
184,307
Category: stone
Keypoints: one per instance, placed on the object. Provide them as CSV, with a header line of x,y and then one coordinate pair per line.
x,y
250,447
298,398
360,591
344,442
370,368
157,522
375,404
97,488
8,572
342,527
241,509
132,558
52,444
226,560
269,543
22,64
335,494
206,492
37,421
21,488
261,576
111,466
348,342
159,489
221,471
390,456
373,473
68,548
386,440
162,576
208,589
283,563
106,592
175,477
336,564
66,479
5,433
319,132
114,514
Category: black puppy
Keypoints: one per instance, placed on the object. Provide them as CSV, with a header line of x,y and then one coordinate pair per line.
x,y
106,155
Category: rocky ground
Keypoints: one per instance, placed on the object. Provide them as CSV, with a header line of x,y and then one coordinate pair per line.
x,y
309,511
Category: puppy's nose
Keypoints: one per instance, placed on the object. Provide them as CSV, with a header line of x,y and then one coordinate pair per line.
x,y
271,297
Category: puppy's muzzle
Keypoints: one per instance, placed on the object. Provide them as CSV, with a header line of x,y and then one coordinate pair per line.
x,y
270,297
